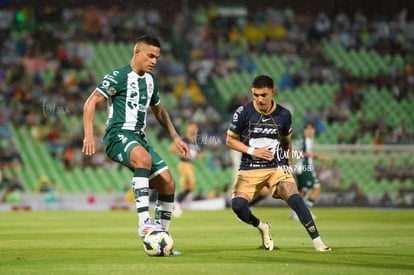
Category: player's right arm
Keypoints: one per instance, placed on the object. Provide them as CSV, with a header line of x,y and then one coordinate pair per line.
x,y
234,143
233,137
89,144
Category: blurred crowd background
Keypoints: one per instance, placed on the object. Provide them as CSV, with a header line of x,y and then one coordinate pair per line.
x,y
49,56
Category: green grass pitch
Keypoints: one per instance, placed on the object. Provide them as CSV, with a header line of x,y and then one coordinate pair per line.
x,y
364,241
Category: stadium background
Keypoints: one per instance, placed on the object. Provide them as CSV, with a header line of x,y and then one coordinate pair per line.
x,y
346,65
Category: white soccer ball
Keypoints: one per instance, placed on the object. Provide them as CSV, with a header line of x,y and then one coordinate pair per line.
x,y
158,243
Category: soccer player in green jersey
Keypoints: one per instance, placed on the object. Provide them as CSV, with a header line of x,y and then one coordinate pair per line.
x,y
307,181
130,91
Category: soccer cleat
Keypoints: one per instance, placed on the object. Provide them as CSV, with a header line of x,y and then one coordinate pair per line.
x,y
175,253
147,227
321,247
177,211
266,236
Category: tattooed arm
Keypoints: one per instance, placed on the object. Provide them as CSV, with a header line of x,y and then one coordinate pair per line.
x,y
165,121
286,143
89,145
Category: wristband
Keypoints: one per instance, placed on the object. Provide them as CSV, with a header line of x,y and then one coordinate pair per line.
x,y
250,150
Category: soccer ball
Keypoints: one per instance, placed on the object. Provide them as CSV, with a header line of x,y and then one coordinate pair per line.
x,y
158,243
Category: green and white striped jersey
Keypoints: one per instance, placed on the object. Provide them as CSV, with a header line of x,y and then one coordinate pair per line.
x,y
129,96
306,146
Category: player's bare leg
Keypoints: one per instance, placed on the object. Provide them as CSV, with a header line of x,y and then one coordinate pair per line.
x,y
314,194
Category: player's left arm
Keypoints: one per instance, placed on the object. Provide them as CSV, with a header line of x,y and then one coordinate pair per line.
x,y
286,144
166,123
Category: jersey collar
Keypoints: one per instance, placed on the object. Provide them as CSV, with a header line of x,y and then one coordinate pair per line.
x,y
270,111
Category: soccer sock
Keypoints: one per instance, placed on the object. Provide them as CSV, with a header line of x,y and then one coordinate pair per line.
x,y
240,206
183,195
140,186
298,205
163,208
256,200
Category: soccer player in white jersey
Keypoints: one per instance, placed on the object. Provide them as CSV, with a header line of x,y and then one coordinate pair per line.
x,y
130,91
261,131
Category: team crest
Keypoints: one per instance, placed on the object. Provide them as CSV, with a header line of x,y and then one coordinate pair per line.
x,y
311,229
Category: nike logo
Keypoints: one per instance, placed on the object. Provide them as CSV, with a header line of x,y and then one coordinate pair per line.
x,y
264,120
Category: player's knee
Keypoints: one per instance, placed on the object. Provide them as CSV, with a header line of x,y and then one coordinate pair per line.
x,y
286,189
238,204
140,158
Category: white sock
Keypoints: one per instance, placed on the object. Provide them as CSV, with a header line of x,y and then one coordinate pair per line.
x,y
317,240
140,186
163,209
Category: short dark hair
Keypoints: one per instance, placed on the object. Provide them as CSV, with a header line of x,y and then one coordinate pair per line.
x,y
149,40
263,81
309,124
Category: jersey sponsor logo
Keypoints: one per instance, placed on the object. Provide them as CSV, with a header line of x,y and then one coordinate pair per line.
x,y
267,119
133,94
132,104
133,85
260,130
